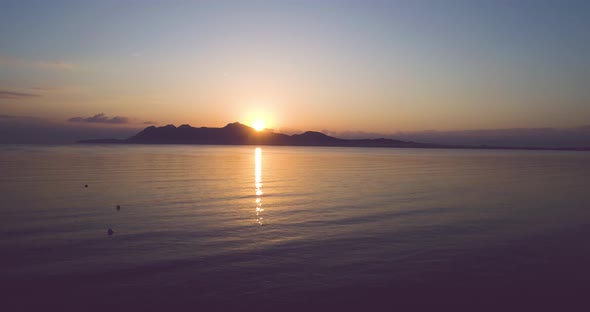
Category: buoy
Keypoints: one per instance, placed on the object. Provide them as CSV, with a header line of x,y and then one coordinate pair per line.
x,y
118,207
110,231
85,185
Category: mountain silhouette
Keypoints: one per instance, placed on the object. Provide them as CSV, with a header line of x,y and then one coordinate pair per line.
x,y
240,134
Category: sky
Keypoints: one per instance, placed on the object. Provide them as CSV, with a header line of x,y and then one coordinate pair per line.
x,y
385,67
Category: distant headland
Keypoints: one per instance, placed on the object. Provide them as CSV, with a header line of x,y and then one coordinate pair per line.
x,y
240,134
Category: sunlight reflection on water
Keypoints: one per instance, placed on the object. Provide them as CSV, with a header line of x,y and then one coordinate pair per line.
x,y
258,184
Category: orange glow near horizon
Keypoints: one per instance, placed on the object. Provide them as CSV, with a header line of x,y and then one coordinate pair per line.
x,y
258,114
258,125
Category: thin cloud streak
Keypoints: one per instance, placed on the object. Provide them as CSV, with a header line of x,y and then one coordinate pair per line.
x,y
55,65
101,118
43,64
13,95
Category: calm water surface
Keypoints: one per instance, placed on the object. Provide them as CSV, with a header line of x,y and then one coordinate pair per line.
x,y
246,228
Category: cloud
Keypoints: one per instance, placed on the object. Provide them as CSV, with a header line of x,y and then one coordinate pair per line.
x,y
43,64
36,130
14,95
55,65
101,118
45,89
149,123
7,116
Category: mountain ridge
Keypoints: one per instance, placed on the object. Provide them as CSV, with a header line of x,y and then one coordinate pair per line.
x,y
237,133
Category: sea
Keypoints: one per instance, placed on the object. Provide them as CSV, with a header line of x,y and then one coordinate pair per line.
x,y
268,228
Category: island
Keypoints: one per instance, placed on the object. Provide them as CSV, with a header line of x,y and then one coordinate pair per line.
x,y
239,134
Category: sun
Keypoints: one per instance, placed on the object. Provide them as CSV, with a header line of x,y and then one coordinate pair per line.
x,y
258,125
